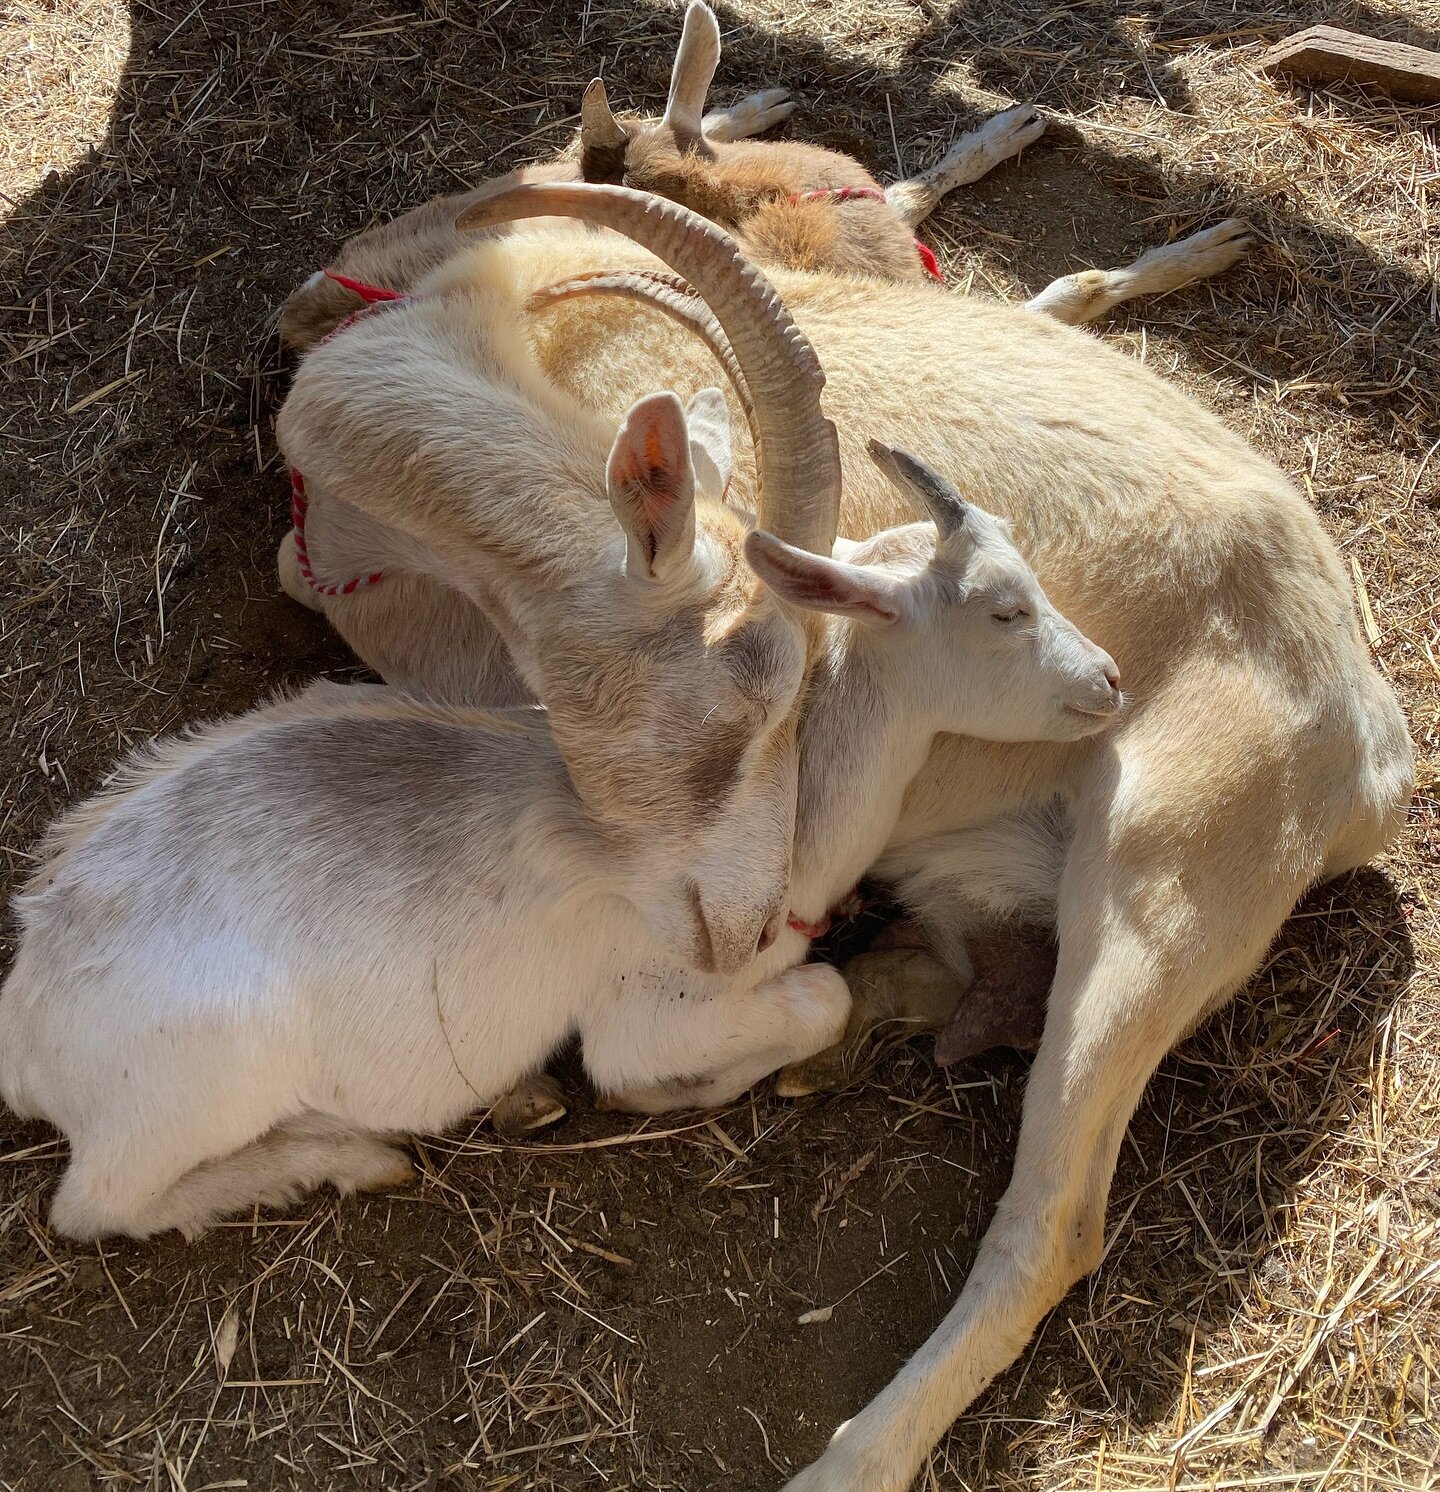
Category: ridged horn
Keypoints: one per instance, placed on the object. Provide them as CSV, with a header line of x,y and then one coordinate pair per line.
x,y
797,454
670,294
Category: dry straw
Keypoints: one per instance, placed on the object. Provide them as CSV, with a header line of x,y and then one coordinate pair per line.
x,y
581,1313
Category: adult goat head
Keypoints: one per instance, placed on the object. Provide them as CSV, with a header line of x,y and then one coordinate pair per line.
x,y
670,672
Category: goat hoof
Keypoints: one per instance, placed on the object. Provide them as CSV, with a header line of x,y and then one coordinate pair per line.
x,y
399,1173
531,1104
825,1072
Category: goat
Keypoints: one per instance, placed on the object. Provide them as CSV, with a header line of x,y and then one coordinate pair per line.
x,y
790,205
1263,751
653,655
354,915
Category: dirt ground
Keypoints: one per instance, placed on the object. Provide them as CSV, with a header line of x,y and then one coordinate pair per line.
x,y
619,1306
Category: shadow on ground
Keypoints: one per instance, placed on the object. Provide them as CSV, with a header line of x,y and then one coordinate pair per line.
x,y
433,1336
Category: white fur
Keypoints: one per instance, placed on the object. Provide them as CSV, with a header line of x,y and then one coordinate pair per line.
x,y
278,943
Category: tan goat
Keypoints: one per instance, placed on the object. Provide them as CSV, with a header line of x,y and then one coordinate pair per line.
x,y
1262,752
790,205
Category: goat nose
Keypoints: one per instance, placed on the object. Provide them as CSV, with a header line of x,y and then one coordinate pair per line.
x,y
1112,677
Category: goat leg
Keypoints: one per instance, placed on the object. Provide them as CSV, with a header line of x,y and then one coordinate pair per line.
x,y
1080,298
1005,1006
968,159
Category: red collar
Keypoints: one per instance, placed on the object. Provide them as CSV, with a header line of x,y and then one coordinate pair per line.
x,y
871,194
376,298
372,295
299,508
839,194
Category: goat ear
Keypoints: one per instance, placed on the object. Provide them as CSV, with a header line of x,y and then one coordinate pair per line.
x,y
820,584
695,64
939,500
650,481
602,140
708,417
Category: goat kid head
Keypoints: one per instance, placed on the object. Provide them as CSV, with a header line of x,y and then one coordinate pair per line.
x,y
955,604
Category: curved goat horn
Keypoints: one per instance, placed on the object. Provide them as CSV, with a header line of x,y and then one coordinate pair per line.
x,y
667,293
798,454
695,63
599,130
940,499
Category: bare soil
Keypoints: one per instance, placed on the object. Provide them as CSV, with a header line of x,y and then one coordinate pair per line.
x,y
618,1306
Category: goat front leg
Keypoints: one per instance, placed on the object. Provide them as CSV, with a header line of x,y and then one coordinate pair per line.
x,y
972,156
751,116
1159,919
1080,298
651,1056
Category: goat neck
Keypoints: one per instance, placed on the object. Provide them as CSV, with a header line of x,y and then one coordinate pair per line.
x,y
860,744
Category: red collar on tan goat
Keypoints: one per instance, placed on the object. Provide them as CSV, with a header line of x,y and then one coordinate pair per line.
x,y
871,194
376,298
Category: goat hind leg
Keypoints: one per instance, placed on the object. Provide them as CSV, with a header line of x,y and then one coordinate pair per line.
x,y
1110,1024
1084,297
533,1103
753,115
277,1169
972,156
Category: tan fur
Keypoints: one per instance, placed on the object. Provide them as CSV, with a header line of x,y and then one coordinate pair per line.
x,y
1262,750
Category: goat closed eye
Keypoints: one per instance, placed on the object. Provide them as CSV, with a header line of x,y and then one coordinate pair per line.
x,y
1014,614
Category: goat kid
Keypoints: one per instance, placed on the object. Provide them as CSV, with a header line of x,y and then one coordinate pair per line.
x,y
790,205
280,942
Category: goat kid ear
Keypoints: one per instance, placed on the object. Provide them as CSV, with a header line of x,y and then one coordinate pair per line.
x,y
650,482
602,141
708,418
816,583
695,63
938,499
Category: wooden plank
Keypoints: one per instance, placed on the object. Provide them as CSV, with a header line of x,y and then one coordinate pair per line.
x,y
1324,53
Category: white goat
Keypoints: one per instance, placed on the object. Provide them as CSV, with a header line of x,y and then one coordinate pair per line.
x,y
649,644
281,941
1263,752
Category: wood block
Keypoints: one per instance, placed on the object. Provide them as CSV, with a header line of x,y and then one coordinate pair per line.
x,y
1325,52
